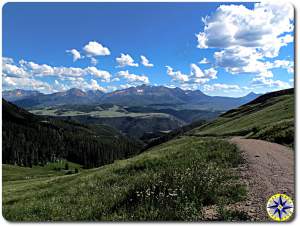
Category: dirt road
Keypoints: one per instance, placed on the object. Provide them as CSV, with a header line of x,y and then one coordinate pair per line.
x,y
269,169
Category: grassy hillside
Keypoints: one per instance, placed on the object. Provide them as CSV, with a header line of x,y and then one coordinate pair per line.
x,y
269,117
59,168
173,181
98,111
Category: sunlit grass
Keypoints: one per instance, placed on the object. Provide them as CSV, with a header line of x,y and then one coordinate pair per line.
x,y
172,181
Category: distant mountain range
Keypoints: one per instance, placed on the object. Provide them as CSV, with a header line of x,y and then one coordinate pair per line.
x,y
134,96
18,94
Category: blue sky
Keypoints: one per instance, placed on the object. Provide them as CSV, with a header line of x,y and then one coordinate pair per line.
x,y
243,49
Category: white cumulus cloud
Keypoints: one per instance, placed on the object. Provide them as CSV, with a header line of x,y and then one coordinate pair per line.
x,y
263,81
246,37
177,75
94,48
32,69
98,73
130,77
126,60
211,73
9,83
145,62
196,75
222,87
204,61
75,54
261,27
6,60
30,75
94,61
95,86
12,70
196,71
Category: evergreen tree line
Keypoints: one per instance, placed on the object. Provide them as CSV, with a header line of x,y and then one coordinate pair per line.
x,y
27,142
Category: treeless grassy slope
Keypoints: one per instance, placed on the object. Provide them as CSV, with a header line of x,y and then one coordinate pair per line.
x,y
269,117
172,181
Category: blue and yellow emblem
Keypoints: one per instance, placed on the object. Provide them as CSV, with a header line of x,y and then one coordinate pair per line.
x,y
280,207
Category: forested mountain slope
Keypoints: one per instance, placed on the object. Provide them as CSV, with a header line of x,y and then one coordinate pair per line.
x,y
33,140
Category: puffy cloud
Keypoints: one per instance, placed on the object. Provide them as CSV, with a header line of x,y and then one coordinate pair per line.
x,y
211,73
75,53
196,71
90,50
46,70
98,73
9,83
177,76
204,61
263,27
6,60
94,61
94,48
31,69
29,75
95,86
35,69
239,60
145,62
288,65
14,71
263,81
196,75
132,77
16,76
222,87
246,37
126,60
59,86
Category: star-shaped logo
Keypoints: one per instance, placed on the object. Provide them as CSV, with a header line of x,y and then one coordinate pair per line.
x,y
280,207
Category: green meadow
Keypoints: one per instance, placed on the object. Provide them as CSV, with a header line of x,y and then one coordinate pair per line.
x,y
172,181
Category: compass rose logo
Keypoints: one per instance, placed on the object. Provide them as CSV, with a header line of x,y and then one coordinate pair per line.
x,y
280,207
